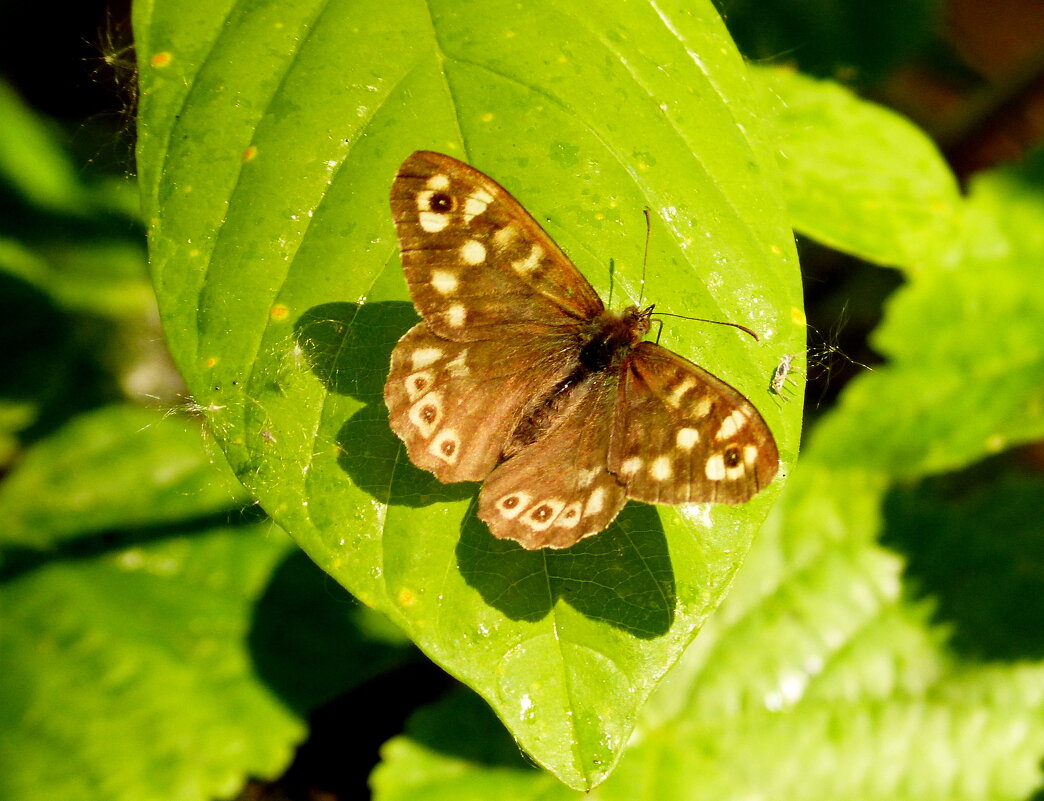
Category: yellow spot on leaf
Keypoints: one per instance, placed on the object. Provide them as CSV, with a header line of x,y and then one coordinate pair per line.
x,y
279,312
161,59
250,153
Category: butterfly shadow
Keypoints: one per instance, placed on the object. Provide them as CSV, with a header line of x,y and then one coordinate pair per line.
x,y
622,576
348,347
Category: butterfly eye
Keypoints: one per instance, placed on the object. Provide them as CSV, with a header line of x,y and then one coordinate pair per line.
x,y
440,202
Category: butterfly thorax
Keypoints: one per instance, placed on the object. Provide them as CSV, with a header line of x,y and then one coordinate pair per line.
x,y
607,339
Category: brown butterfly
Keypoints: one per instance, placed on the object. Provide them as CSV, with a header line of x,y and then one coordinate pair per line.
x,y
519,376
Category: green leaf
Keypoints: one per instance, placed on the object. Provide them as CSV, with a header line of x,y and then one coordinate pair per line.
x,y
118,467
859,177
268,138
815,679
975,544
964,347
32,162
162,670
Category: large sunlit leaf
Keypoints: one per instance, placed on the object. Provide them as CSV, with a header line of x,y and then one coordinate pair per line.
x,y
268,138
861,178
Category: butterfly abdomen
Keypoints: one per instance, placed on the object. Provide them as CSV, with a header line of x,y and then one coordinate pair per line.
x,y
602,345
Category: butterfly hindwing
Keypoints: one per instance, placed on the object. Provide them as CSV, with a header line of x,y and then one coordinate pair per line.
x,y
477,264
681,435
456,404
557,489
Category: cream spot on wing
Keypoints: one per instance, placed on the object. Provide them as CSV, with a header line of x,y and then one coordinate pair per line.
x,y
418,383
438,181
444,281
503,238
750,454
631,466
476,204
675,398
570,516
432,222
530,262
584,478
424,200
510,505
473,252
422,357
661,469
542,514
687,438
700,408
426,414
456,315
731,424
715,469
457,368
446,446
595,503
732,473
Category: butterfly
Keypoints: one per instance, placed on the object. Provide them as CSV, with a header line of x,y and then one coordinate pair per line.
x,y
518,376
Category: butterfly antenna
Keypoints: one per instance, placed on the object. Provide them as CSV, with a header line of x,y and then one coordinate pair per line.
x,y
645,256
742,328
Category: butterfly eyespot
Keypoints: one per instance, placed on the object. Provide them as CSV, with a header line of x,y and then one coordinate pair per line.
x,y
446,447
512,505
426,414
543,513
440,202
732,456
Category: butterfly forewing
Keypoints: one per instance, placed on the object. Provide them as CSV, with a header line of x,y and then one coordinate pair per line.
x,y
477,264
681,435
557,489
457,404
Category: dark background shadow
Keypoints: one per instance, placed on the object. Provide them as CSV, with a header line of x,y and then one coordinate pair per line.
x,y
975,545
309,663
